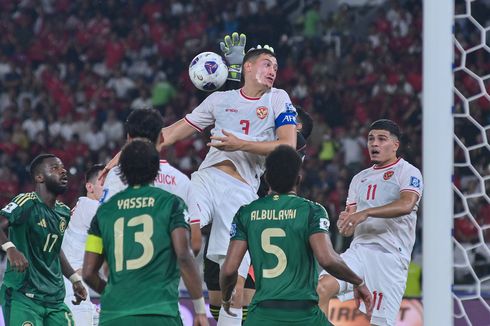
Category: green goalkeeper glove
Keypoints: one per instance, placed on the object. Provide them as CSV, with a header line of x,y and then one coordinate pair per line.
x,y
233,49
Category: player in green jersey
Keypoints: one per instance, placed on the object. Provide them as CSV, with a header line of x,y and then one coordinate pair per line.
x,y
284,234
33,289
142,233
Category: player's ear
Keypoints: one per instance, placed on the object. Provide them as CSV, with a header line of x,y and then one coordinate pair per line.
x,y
299,179
89,187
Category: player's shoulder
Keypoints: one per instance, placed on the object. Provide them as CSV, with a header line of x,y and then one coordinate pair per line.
x,y
25,199
167,168
405,165
277,91
62,206
315,206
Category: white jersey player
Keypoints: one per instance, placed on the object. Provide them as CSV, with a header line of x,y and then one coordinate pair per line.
x,y
248,124
74,243
148,123
381,211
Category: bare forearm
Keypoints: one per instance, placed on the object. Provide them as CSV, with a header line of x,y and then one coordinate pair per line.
x,y
175,132
95,282
339,269
264,148
190,275
227,282
395,209
66,268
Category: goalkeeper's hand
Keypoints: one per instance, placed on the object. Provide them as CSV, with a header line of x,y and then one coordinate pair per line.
x,y
233,49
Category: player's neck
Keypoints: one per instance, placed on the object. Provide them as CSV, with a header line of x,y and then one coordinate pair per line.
x,y
253,92
383,164
46,197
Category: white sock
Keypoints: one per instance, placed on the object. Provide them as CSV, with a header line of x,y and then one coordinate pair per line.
x,y
227,320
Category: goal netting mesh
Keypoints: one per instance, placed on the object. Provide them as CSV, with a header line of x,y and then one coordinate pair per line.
x,y
471,182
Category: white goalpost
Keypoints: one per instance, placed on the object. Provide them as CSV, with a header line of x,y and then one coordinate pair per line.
x,y
437,161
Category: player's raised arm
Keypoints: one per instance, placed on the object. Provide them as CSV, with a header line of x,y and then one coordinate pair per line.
x,y
175,132
190,275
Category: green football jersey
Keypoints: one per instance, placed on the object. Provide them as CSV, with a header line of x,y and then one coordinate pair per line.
x,y
133,230
37,231
277,229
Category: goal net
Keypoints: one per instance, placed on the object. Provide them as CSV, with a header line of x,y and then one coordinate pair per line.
x,y
471,181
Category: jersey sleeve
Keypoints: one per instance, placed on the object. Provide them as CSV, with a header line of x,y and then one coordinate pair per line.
x,y
352,195
112,185
94,239
15,211
284,111
179,214
411,180
238,230
202,116
318,219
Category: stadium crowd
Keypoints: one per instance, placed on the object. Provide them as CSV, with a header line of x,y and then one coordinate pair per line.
x,y
71,71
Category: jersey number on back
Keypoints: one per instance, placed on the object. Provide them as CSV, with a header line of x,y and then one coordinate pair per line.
x,y
282,261
141,237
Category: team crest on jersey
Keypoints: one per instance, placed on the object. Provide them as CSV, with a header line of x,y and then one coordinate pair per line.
x,y
233,230
275,197
262,112
62,225
415,182
27,323
388,174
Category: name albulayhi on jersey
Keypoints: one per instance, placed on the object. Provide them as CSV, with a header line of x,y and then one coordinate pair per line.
x,y
272,214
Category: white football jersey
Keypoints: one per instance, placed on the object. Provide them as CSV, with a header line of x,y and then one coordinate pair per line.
x,y
76,233
169,179
378,186
254,119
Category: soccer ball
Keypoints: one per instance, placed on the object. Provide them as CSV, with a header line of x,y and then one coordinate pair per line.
x,y
208,71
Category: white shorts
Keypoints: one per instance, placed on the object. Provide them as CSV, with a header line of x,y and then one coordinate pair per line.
x,y
385,276
216,197
85,312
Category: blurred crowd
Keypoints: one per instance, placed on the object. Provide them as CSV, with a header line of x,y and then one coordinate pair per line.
x,y
71,71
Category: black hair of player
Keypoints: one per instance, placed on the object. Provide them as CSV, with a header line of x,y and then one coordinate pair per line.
x,y
139,162
306,120
388,125
36,163
144,123
253,55
91,176
282,167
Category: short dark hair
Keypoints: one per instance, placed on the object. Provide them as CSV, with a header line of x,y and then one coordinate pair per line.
x,y
144,123
388,125
306,120
252,55
36,163
93,171
282,167
91,176
139,162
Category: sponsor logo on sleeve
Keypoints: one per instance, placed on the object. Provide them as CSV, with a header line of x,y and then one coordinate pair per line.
x,y
415,182
324,224
388,174
10,207
290,107
233,230
104,195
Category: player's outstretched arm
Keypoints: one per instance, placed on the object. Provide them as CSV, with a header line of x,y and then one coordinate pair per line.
x,y
229,271
334,264
286,135
75,279
175,132
402,206
17,260
189,273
